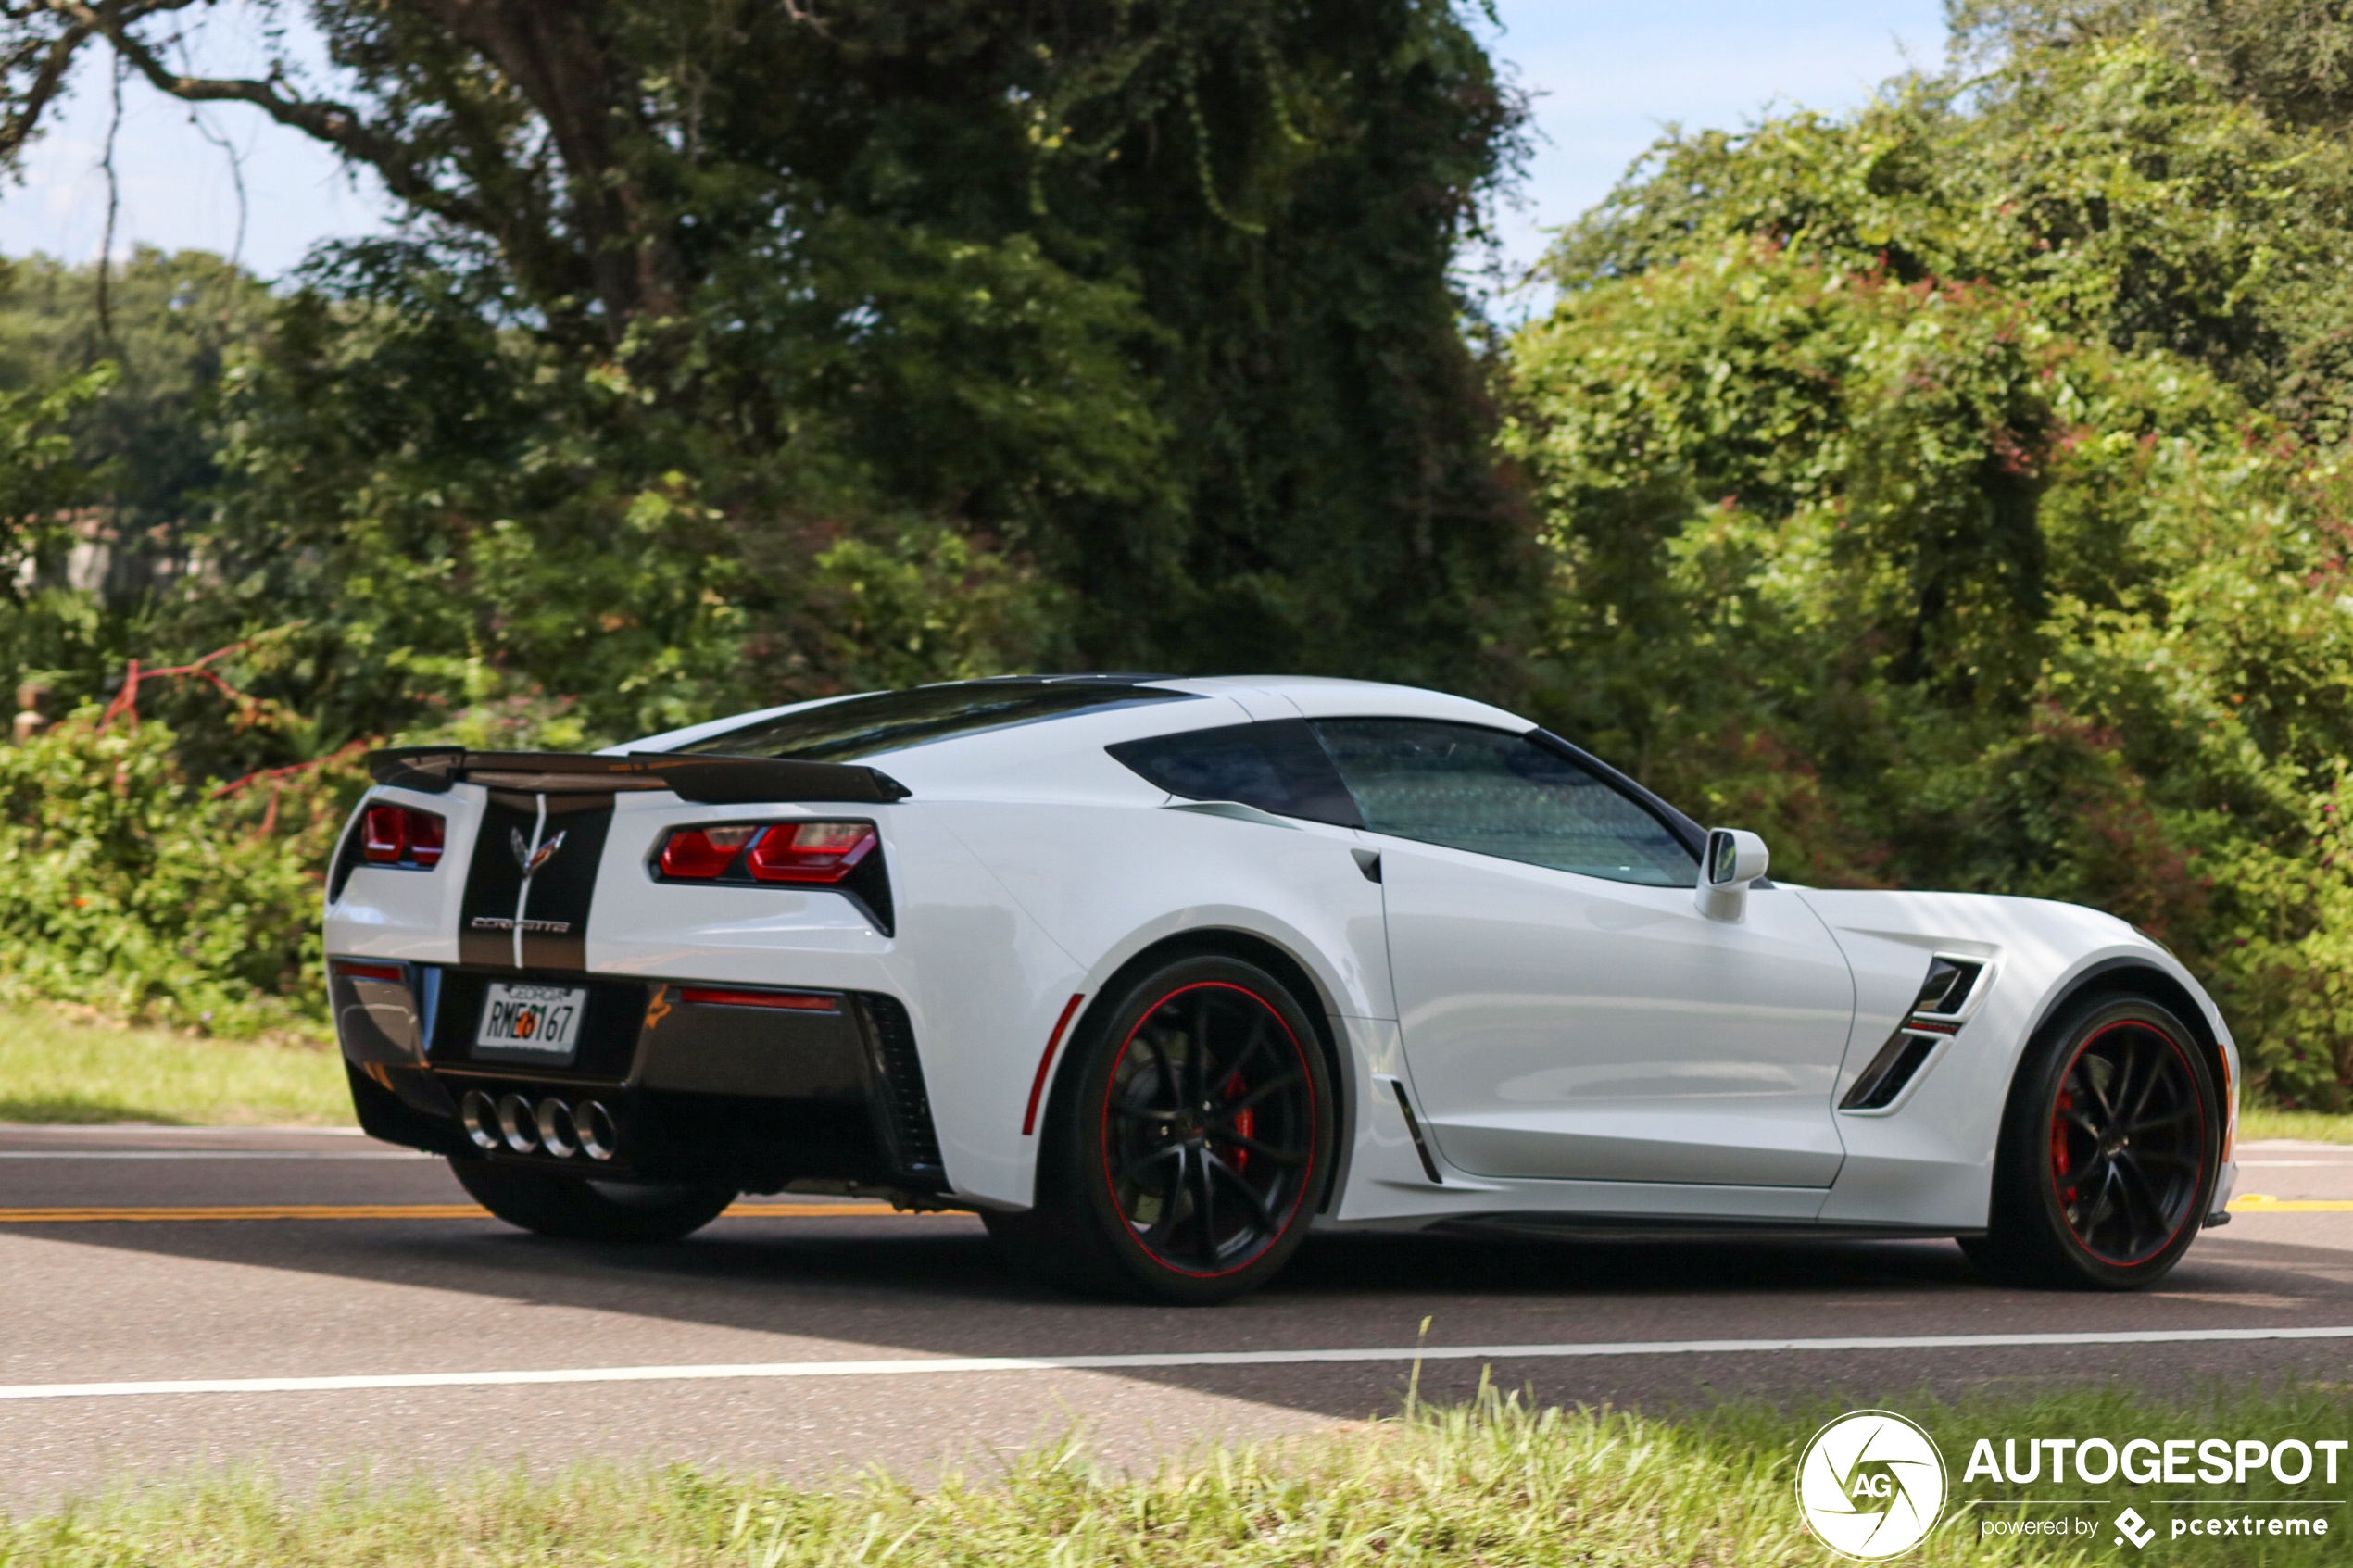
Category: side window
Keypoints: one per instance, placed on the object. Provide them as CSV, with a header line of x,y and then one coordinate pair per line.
x,y
1503,795
1275,766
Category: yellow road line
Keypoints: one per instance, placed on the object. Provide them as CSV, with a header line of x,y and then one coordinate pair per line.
x,y
2263,1203
404,1212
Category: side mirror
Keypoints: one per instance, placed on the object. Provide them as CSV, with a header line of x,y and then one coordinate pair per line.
x,y
1735,859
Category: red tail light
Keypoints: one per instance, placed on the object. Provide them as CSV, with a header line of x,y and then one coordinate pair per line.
x,y
801,852
809,851
703,853
401,835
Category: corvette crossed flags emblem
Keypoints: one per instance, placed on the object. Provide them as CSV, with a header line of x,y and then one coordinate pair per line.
x,y
529,858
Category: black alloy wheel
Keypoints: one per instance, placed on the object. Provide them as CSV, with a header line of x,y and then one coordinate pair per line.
x,y
1188,1140
2127,1142
1209,1127
574,1208
2111,1147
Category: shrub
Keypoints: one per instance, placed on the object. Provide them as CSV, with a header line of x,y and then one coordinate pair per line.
x,y
127,888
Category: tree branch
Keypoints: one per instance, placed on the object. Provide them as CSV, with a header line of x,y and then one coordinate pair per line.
x,y
338,125
18,127
560,65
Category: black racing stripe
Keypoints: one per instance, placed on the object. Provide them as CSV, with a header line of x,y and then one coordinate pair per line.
x,y
566,884
556,918
485,933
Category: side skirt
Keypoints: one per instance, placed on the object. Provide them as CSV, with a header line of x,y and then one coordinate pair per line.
x,y
1651,1228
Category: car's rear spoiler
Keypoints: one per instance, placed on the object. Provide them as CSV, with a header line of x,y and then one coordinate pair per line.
x,y
709,781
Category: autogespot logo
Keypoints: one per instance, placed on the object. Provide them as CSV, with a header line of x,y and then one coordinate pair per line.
x,y
1872,1484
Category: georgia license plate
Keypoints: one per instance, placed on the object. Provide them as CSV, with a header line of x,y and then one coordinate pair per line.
x,y
540,1024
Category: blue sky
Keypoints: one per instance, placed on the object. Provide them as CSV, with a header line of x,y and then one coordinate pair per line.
x,y
1607,79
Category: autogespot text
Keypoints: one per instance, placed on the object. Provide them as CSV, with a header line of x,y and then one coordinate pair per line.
x,y
2187,1463
2145,1461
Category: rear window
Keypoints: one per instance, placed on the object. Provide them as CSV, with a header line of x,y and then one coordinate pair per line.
x,y
864,726
1276,765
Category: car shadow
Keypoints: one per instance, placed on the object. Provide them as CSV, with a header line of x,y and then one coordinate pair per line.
x,y
935,1285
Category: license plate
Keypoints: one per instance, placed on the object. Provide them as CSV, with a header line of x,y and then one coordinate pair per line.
x,y
540,1024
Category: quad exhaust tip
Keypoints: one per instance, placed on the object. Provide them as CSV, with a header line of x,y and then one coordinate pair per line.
x,y
481,1118
516,1121
556,1134
598,1137
550,1127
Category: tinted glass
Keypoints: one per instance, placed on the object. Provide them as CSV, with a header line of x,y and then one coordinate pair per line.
x,y
1502,795
1276,766
863,726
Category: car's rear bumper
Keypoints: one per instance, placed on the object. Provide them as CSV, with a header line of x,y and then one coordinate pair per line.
x,y
755,1088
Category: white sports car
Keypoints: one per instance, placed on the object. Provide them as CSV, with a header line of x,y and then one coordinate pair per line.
x,y
1158,974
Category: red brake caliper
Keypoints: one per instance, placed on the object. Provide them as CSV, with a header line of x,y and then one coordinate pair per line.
x,y
1245,1122
2059,1162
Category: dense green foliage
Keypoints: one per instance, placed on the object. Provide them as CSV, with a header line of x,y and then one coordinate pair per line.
x,y
1956,495
128,889
92,556
737,355
171,324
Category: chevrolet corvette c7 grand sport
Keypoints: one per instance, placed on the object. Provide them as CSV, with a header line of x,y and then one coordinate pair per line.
x,y
1158,974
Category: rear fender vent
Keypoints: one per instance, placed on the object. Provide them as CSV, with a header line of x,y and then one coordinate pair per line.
x,y
1946,993
899,1096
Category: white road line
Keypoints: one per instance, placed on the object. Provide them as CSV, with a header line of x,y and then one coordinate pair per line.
x,y
209,1154
941,1365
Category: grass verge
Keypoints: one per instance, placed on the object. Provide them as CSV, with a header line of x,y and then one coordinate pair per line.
x,y
54,1069
2316,1126
1494,1483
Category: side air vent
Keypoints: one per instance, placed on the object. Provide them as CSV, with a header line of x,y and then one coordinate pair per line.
x,y
899,1082
1951,985
1889,1072
1948,988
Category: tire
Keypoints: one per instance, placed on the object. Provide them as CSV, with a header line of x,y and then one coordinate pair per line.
x,y
2110,1146
1171,1173
573,1208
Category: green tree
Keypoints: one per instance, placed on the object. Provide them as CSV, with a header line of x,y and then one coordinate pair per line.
x,y
761,301
1935,491
2113,186
43,483
173,324
133,471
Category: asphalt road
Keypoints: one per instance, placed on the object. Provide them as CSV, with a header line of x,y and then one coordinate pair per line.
x,y
404,1282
